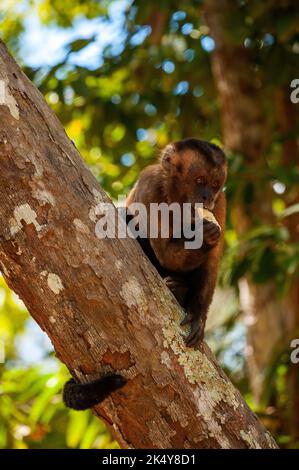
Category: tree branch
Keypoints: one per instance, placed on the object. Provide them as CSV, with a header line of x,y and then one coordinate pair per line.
x,y
102,304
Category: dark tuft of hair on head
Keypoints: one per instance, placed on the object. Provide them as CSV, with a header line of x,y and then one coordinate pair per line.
x,y
211,152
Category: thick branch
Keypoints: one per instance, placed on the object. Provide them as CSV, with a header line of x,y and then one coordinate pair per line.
x,y
100,301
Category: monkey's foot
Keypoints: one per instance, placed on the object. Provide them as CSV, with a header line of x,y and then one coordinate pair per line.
x,y
197,325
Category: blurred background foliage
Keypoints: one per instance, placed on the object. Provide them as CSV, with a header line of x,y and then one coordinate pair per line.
x,y
125,78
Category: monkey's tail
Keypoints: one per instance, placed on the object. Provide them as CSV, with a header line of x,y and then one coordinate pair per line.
x,y
86,395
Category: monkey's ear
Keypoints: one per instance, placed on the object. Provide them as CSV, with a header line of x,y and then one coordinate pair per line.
x,y
167,157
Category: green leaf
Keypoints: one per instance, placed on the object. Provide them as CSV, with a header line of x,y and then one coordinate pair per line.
x,y
76,428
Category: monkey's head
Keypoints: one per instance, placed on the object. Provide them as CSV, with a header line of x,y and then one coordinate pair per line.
x,y
195,172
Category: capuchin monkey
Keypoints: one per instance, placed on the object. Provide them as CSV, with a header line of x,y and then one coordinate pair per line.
x,y
190,171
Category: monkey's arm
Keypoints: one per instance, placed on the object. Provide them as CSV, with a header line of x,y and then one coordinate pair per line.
x,y
172,252
174,256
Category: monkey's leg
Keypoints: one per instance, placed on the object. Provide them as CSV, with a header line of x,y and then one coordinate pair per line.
x,y
86,395
198,300
179,287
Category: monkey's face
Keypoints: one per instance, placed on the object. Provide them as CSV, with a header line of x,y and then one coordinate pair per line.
x,y
203,180
196,172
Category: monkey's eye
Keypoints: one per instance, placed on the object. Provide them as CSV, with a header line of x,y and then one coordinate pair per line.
x,y
216,184
199,180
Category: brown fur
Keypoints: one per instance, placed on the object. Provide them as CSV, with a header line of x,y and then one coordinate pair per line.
x,y
189,171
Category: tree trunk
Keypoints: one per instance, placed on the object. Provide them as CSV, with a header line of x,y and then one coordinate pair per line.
x,y
101,302
246,131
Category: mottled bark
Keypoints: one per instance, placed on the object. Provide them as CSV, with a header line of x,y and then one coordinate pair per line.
x,y
246,130
102,304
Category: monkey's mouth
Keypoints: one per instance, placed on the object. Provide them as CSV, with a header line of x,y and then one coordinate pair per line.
x,y
194,211
208,206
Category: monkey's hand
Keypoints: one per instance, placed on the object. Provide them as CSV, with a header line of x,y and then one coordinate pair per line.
x,y
197,324
211,232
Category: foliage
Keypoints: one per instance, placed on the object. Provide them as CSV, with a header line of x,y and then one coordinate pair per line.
x,y
31,408
149,84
